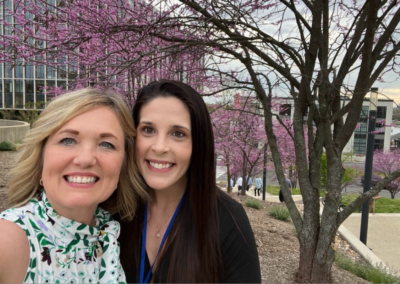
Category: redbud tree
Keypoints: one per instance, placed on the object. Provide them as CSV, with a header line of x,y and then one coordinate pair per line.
x,y
240,138
385,163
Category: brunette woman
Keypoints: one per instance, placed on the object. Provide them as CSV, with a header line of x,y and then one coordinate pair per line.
x,y
189,231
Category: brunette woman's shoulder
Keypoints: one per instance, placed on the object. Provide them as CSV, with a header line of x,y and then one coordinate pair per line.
x,y
239,250
232,213
225,200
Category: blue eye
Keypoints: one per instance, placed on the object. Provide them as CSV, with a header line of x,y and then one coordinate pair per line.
x,y
107,145
67,141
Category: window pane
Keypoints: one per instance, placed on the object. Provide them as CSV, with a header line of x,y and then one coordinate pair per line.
x,y
285,110
29,94
19,94
30,70
40,67
62,69
8,71
381,112
8,93
50,84
62,84
51,71
1,93
19,68
40,91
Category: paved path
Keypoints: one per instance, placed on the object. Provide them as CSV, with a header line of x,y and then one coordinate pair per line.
x,y
382,238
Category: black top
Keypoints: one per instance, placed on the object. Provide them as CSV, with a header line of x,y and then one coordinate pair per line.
x,y
238,247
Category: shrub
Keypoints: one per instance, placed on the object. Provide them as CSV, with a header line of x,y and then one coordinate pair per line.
x,y
280,213
253,203
365,271
7,146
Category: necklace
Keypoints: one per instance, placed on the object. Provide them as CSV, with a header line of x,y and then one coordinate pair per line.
x,y
158,231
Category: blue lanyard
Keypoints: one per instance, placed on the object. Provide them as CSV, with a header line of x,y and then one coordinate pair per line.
x,y
143,250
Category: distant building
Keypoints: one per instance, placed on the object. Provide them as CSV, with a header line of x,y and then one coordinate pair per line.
x,y
21,82
358,142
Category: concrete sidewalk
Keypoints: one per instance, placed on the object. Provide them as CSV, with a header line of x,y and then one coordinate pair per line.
x,y
382,239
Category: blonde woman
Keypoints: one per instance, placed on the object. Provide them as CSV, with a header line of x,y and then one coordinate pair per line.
x,y
72,173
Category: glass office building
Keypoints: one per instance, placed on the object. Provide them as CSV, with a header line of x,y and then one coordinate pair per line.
x,y
360,134
22,83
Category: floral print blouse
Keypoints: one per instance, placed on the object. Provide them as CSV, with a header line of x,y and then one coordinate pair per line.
x,y
65,251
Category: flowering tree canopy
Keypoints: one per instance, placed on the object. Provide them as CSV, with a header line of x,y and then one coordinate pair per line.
x,y
386,163
240,138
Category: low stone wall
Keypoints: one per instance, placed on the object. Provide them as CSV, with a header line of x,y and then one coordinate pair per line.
x,y
13,130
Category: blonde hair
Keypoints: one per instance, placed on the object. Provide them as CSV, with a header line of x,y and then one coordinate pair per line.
x,y
26,174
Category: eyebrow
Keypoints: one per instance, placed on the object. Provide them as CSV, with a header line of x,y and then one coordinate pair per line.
x,y
175,126
74,132
69,131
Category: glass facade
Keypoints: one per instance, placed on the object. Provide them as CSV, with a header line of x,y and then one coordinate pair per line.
x,y
22,83
360,134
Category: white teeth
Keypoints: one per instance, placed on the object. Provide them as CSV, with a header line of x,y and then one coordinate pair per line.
x,y
160,166
79,179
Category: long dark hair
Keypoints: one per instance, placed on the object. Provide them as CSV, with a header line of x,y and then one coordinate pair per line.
x,y
194,238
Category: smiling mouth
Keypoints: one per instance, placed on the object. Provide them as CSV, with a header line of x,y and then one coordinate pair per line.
x,y
81,179
160,165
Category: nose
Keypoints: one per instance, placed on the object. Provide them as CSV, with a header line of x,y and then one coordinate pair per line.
x,y
86,156
160,145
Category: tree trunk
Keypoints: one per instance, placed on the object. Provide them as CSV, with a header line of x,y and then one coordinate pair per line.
x,y
244,180
319,269
318,232
228,173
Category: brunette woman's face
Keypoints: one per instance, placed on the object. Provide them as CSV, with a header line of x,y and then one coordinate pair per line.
x,y
164,143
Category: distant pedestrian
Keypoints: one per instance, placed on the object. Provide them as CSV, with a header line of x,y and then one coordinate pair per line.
x,y
239,183
289,184
249,183
258,185
231,182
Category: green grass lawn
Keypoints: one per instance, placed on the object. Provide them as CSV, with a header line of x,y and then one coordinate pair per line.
x,y
274,190
382,205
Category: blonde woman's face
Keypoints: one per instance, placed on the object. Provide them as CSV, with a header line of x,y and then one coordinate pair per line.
x,y
82,162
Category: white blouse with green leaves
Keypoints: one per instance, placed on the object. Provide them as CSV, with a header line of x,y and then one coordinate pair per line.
x,y
65,251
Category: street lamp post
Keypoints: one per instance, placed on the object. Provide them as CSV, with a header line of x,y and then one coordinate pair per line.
x,y
369,157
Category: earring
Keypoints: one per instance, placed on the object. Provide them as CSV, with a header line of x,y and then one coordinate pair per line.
x,y
41,182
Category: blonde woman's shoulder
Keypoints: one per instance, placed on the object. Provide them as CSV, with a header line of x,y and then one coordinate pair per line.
x,y
14,251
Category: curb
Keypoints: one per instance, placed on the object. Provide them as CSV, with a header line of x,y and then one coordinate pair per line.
x,y
362,249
